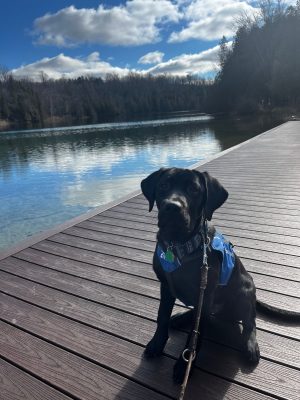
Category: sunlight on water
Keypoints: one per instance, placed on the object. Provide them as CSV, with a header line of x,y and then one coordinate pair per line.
x,y
46,179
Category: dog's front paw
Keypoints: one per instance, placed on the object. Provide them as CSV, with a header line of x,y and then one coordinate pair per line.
x,y
252,351
155,347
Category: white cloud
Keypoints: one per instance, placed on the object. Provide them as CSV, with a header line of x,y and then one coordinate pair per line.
x,y
68,67
154,57
62,66
199,63
84,159
211,19
134,23
92,193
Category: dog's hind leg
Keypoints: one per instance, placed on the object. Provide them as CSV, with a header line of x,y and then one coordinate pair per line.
x,y
156,345
251,348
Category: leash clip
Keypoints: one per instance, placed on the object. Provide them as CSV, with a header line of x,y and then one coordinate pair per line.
x,y
187,358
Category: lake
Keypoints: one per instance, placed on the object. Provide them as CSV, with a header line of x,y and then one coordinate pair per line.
x,y
48,176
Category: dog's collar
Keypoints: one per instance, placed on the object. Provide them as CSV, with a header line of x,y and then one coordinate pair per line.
x,y
180,250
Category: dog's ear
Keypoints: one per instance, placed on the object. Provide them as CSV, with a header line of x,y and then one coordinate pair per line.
x,y
148,186
216,194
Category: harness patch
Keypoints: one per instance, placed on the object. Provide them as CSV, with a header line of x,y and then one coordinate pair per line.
x,y
219,243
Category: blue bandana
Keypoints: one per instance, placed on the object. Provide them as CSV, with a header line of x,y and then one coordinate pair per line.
x,y
219,243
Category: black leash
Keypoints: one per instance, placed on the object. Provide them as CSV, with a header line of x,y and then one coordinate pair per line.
x,y
189,353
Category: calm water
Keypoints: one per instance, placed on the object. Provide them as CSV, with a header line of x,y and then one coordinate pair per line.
x,y
49,176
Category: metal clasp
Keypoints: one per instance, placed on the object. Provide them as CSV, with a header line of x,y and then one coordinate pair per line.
x,y
186,359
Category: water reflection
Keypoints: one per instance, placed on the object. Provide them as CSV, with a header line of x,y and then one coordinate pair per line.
x,y
45,180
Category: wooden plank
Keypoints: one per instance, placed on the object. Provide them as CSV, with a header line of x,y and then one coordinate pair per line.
x,y
113,227
112,352
104,248
70,333
262,211
16,384
146,256
145,244
144,270
133,303
140,227
258,266
137,284
268,256
256,235
287,375
98,259
111,238
110,319
107,294
76,376
248,249
258,180
94,314
246,253
265,377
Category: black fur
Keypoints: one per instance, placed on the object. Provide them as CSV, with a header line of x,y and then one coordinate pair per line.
x,y
181,196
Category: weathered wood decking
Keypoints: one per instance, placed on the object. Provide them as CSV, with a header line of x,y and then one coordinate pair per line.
x,y
78,308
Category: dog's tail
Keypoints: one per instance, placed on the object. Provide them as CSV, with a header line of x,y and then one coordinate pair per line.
x,y
277,312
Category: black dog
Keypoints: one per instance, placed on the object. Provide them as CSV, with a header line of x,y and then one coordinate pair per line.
x,y
184,198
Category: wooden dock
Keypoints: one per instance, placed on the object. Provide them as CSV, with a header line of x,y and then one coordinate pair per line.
x,y
78,303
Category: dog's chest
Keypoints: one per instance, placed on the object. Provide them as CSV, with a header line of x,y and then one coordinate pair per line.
x,y
184,282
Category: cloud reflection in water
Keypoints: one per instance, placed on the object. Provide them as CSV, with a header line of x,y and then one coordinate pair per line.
x,y
47,179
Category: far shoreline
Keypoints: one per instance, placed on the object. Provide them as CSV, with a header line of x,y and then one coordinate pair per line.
x,y
59,123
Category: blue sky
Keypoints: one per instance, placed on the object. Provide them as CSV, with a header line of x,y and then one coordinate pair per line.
x,y
88,37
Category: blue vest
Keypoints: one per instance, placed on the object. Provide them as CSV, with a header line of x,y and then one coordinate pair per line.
x,y
219,243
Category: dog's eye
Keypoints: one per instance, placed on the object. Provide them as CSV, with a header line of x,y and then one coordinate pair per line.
x,y
193,189
164,186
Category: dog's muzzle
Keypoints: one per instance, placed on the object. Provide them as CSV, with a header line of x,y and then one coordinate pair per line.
x,y
173,218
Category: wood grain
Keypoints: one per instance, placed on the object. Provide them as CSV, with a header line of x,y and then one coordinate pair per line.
x,y
16,384
78,377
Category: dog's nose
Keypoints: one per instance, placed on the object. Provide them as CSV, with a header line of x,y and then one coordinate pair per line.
x,y
172,206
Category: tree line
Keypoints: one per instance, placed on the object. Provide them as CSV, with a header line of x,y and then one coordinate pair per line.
x,y
262,69
259,72
91,100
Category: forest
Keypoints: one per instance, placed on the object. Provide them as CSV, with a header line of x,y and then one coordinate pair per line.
x,y
259,72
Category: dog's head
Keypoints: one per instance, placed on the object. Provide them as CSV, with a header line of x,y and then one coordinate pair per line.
x,y
181,196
